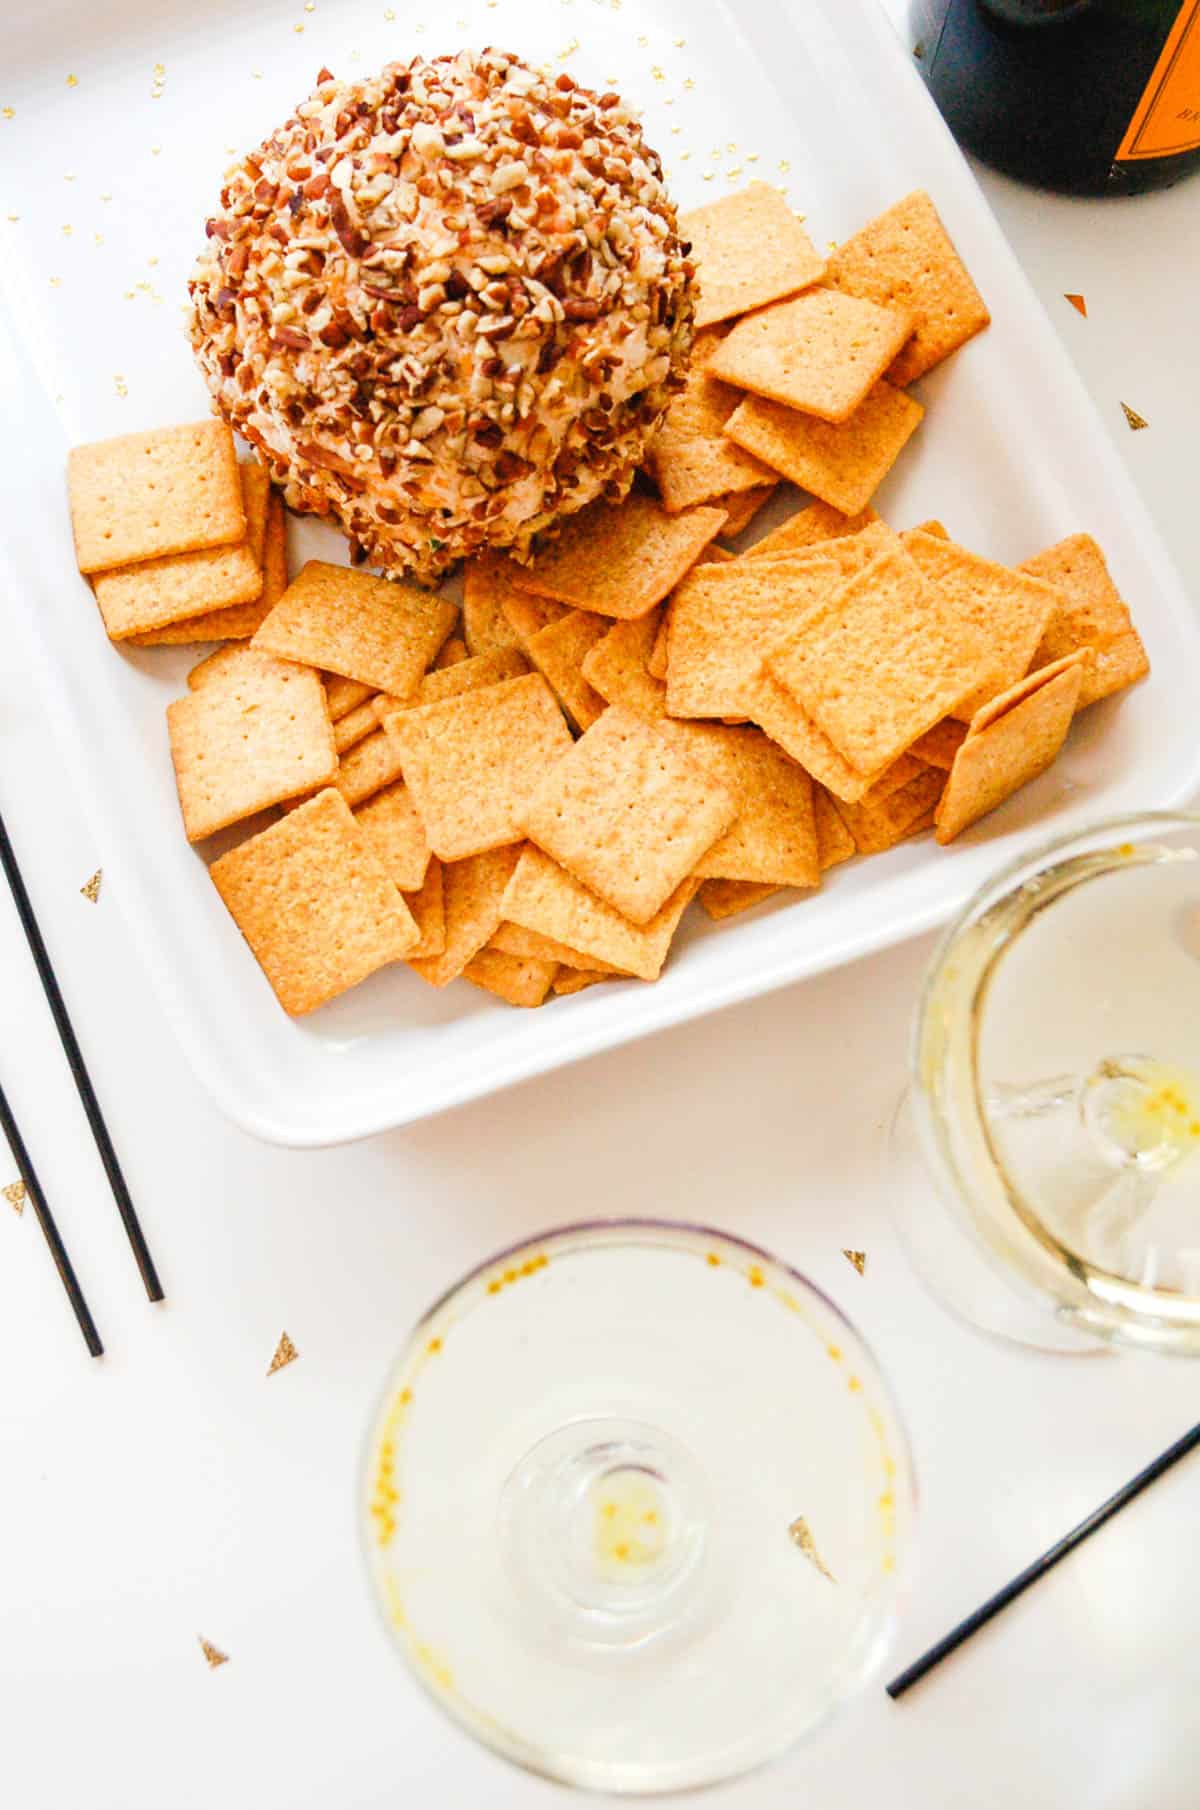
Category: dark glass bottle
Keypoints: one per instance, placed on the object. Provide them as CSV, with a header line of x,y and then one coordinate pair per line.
x,y
1096,97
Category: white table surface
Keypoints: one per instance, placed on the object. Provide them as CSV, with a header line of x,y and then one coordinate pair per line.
x,y
170,1490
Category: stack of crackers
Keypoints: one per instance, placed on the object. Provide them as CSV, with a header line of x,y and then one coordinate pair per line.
x,y
530,794
181,543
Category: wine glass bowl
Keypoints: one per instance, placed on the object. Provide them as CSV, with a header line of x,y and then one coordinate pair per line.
x,y
637,1505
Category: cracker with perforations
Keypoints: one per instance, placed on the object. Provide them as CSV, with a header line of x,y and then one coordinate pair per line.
x,y
559,651
473,762
472,895
1010,610
906,259
690,458
487,583
428,906
140,496
1091,615
383,633
390,822
518,980
252,737
1011,740
820,352
543,896
841,462
723,899
749,248
315,904
620,559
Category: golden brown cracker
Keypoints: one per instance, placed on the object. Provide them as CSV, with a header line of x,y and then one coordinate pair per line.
x,y
559,650
428,907
1091,614
390,823
773,839
690,459
487,581
617,666
543,896
577,980
275,572
356,724
454,651
252,737
474,761
364,769
725,898
525,614
820,352
212,595
843,463
473,674
513,939
344,695
656,662
880,820
472,892
382,632
749,248
1008,744
314,903
1010,610
883,662
938,746
834,841
740,510
620,559
809,528
518,980
906,259
168,490
627,813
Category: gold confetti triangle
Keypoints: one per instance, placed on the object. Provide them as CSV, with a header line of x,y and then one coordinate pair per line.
x,y
214,1655
1077,302
801,1537
8,112
14,1194
72,81
857,1258
91,891
285,1353
1134,419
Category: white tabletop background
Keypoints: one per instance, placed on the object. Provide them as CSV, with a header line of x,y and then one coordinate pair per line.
x,y
170,1490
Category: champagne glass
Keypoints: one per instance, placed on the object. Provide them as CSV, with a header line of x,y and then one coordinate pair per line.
x,y
636,1505
1046,1163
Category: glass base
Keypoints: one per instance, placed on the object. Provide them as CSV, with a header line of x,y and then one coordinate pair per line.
x,y
951,1266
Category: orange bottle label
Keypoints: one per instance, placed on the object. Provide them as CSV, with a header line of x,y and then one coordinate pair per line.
x,y
1167,118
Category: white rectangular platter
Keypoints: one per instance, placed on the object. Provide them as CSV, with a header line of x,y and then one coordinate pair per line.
x,y
124,115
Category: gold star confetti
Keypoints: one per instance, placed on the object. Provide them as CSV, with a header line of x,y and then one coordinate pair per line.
x,y
8,112
733,174
784,166
285,1353
708,176
14,218
568,50
55,282
1135,420
106,197
857,1258
214,1655
156,150
643,42
67,231
256,74
14,1194
68,175
658,74
675,129
1077,302
97,238
751,156
679,43
72,81
152,262
91,891
688,83
801,1537
685,156
122,388
297,28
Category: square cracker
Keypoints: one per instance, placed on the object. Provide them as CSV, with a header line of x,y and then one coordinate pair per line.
x,y
809,528
364,769
1009,609
252,737
906,259
428,907
939,745
883,662
543,896
879,820
820,352
627,813
487,581
774,838
390,823
527,615
169,490
314,903
514,940
834,841
343,695
190,596
354,726
472,674
559,650
474,761
577,980
519,980
780,715
741,509
621,559
843,463
617,667
690,458
1010,741
453,653
725,898
472,891
749,248
1091,614
382,632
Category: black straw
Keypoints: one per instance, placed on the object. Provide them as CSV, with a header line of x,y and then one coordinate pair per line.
x,y
1042,1565
45,1217
83,1081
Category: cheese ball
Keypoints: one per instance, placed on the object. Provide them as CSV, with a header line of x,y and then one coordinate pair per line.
x,y
449,304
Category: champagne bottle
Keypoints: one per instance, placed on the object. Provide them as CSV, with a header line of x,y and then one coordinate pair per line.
x,y
1094,97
